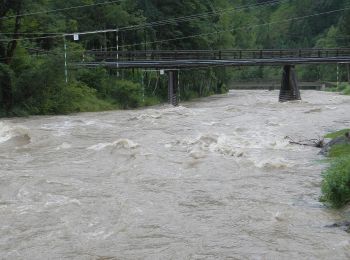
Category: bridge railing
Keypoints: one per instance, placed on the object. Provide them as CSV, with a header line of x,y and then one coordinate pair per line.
x,y
217,54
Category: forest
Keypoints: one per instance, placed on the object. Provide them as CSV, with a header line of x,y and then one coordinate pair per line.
x,y
35,36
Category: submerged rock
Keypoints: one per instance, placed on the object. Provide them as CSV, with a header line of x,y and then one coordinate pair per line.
x,y
343,225
336,141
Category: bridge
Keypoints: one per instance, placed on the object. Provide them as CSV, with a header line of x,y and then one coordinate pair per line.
x,y
274,84
173,61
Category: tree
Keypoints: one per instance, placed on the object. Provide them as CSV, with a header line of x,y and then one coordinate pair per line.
x,y
7,51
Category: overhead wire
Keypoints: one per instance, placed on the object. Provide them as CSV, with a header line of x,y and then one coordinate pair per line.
x,y
198,16
153,24
238,28
60,9
228,30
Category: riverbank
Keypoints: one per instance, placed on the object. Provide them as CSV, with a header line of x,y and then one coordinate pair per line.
x,y
336,183
99,96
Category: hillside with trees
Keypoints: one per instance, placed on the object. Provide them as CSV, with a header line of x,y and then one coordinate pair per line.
x,y
32,47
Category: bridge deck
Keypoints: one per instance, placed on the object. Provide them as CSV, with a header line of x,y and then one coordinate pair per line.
x,y
207,58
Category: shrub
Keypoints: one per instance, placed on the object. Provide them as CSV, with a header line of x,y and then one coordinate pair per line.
x,y
127,94
339,151
337,134
97,79
346,91
41,80
151,101
77,97
343,88
336,183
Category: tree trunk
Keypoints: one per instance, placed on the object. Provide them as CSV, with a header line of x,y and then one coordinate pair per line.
x,y
6,87
8,52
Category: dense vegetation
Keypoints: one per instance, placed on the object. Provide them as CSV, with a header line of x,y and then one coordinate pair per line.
x,y
32,77
336,183
343,88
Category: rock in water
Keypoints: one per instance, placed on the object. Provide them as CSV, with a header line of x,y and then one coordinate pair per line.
x,y
343,225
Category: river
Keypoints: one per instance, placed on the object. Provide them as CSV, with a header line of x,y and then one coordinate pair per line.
x,y
211,179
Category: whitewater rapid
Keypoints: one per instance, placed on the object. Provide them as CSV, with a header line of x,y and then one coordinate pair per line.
x,y
212,179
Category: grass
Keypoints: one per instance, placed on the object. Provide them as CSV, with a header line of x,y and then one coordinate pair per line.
x,y
337,134
336,183
339,151
336,179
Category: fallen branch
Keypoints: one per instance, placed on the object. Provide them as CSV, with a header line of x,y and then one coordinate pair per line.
x,y
319,143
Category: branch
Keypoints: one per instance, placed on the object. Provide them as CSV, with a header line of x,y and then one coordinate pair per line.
x,y
319,143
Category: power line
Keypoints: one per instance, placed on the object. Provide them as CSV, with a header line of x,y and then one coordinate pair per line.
x,y
223,31
25,33
239,28
197,16
153,24
60,35
60,10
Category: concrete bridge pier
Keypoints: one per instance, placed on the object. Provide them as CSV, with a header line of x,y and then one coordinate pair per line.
x,y
173,83
289,88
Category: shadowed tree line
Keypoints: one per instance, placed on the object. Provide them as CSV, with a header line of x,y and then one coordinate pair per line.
x,y
32,79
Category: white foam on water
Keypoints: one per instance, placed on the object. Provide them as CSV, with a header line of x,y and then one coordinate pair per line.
x,y
213,143
64,146
150,115
239,146
8,132
271,163
60,200
121,143
179,110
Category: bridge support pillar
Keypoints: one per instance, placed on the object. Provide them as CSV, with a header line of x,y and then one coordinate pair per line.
x,y
173,83
289,88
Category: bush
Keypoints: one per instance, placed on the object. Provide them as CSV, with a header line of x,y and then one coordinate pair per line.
x,y
346,91
343,88
336,183
96,78
339,151
77,97
337,134
151,101
127,94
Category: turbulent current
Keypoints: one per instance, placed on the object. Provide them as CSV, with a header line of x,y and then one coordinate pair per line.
x,y
211,179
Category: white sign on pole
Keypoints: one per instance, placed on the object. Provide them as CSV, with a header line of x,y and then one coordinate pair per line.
x,y
76,37
161,72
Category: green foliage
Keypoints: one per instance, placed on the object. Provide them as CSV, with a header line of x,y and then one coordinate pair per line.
x,y
346,91
336,183
78,97
32,77
6,80
337,134
151,101
97,79
127,94
339,151
38,84
343,88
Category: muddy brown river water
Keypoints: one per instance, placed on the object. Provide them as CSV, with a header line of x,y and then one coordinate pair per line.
x,y
211,179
